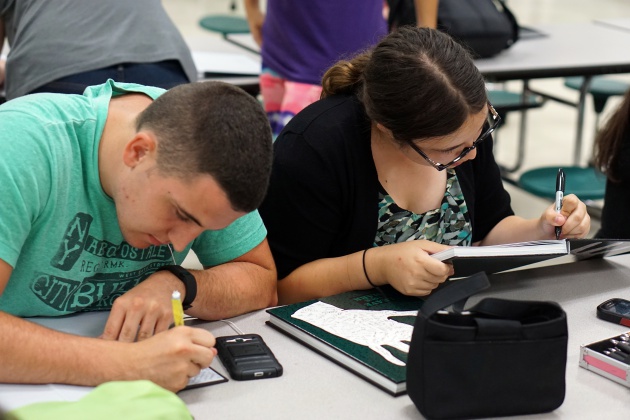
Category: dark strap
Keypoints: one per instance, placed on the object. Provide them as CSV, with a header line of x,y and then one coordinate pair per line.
x,y
186,277
513,21
501,308
457,291
498,329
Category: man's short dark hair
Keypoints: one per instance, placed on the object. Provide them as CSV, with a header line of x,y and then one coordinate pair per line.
x,y
213,128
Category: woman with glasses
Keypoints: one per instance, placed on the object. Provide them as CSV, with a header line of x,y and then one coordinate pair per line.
x,y
393,164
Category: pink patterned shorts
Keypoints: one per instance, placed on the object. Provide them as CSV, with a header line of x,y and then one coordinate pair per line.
x,y
283,99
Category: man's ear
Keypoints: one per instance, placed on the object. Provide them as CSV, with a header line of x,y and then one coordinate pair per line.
x,y
143,145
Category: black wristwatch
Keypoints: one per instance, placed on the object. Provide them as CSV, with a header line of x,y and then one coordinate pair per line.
x,y
190,283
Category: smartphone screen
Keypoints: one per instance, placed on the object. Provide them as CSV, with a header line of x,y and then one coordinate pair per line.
x,y
620,306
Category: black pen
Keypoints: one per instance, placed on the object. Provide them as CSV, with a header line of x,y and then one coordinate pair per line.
x,y
559,197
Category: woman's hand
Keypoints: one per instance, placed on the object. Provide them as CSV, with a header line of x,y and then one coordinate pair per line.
x,y
573,218
408,266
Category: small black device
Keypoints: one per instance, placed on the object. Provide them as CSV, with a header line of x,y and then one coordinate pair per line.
x,y
247,357
615,310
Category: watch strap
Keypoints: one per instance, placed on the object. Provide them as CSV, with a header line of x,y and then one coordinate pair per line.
x,y
190,283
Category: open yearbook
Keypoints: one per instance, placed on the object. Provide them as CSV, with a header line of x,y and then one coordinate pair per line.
x,y
366,331
468,260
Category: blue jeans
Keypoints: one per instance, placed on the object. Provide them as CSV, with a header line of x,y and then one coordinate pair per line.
x,y
164,74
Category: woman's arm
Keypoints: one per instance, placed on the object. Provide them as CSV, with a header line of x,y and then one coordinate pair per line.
x,y
574,219
427,13
255,18
407,266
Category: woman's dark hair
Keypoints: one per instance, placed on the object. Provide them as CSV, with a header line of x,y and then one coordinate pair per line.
x,y
417,82
610,138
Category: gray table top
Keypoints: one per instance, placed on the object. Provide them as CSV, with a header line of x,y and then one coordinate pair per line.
x,y
312,387
563,50
616,23
579,49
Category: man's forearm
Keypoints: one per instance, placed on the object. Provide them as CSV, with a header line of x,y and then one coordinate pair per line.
x,y
34,354
242,285
233,289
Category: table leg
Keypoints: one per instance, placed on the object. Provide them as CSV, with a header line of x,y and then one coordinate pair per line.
x,y
520,156
577,153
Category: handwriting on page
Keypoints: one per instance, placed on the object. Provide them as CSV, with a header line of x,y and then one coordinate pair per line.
x,y
373,329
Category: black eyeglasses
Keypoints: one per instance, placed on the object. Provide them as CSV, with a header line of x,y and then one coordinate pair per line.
x,y
493,121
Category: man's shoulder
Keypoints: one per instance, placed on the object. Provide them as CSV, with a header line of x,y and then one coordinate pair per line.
x,y
220,246
112,88
41,109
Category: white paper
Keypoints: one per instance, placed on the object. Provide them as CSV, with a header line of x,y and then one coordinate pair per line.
x,y
226,63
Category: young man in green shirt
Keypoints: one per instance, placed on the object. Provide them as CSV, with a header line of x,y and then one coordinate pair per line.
x,y
103,189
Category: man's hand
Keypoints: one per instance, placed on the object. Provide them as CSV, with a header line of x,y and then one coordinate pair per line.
x,y
144,310
169,358
172,357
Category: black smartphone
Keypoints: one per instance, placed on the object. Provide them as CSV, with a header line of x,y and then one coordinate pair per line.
x,y
247,357
615,310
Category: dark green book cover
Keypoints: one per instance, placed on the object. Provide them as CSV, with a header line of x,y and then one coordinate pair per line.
x,y
366,331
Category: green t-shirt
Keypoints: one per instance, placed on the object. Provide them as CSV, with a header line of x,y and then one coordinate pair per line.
x,y
58,228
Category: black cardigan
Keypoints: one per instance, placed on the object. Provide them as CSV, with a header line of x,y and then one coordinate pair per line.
x,y
323,197
614,223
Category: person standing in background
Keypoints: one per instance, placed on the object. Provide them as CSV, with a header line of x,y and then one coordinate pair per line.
x,y
300,40
422,13
63,46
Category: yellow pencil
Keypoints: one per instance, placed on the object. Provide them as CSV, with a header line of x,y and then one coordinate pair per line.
x,y
178,310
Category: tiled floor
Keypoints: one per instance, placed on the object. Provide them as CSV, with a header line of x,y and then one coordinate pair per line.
x,y
552,124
